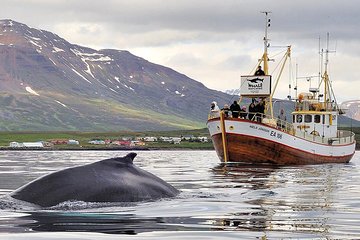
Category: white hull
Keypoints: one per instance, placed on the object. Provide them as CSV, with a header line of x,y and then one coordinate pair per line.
x,y
238,131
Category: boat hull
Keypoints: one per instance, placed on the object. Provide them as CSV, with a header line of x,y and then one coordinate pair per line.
x,y
253,142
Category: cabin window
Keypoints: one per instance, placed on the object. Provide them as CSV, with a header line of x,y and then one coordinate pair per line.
x,y
308,118
317,118
323,119
299,118
293,118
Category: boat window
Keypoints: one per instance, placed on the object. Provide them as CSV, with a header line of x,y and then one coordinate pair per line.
x,y
308,118
317,118
298,118
323,119
293,118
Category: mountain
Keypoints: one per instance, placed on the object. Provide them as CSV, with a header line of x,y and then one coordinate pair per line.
x,y
352,109
47,83
235,91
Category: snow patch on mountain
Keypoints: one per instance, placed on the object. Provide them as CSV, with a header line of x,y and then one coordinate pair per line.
x,y
62,104
52,61
34,38
81,76
113,90
94,57
129,87
233,91
36,44
179,93
30,90
56,49
91,57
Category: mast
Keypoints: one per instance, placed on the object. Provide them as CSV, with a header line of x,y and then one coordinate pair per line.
x,y
265,57
327,95
320,62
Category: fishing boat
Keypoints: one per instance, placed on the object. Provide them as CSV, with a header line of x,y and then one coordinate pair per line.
x,y
311,137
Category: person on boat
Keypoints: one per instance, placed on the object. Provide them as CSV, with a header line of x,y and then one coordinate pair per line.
x,y
243,113
252,110
214,110
235,109
226,110
281,119
259,71
260,109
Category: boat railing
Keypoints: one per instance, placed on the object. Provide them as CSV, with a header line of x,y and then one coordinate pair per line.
x,y
213,114
257,117
278,123
311,137
307,105
343,137
253,116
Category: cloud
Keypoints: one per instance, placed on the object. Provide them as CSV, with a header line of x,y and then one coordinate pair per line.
x,y
223,39
185,58
234,62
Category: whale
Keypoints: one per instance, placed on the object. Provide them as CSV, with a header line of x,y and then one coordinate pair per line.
x,y
110,180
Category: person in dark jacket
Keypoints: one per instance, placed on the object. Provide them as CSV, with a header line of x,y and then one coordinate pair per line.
x,y
226,110
252,111
261,110
235,109
259,71
281,122
243,113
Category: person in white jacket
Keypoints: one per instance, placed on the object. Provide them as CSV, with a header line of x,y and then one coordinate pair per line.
x,y
214,110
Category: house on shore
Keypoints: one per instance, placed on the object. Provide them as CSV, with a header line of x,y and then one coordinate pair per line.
x,y
150,139
26,145
97,142
73,142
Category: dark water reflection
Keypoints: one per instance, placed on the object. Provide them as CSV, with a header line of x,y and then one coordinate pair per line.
x,y
217,201
102,223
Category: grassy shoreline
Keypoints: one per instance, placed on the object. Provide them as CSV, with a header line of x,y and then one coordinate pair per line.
x,y
84,137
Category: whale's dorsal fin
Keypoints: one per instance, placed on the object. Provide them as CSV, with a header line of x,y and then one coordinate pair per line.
x,y
129,158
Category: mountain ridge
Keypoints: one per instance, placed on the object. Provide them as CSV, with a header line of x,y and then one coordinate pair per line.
x,y
47,83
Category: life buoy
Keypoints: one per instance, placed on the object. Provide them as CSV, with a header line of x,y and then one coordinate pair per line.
x,y
315,133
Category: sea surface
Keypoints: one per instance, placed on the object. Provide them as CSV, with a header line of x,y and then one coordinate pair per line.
x,y
216,201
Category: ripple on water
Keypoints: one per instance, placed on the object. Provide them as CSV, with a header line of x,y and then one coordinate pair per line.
x,y
217,201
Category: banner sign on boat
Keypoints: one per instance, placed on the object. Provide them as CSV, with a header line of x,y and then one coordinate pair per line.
x,y
255,85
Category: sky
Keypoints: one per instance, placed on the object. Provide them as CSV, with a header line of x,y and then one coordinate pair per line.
x,y
212,41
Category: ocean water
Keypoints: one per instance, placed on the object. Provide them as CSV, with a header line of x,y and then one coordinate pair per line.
x,y
216,201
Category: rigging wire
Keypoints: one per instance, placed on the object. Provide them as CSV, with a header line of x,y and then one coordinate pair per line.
x,y
281,61
281,52
258,64
290,77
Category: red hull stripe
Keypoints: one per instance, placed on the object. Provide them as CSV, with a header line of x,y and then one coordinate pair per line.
x,y
286,146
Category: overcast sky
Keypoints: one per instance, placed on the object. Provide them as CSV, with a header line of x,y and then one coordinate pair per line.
x,y
211,41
